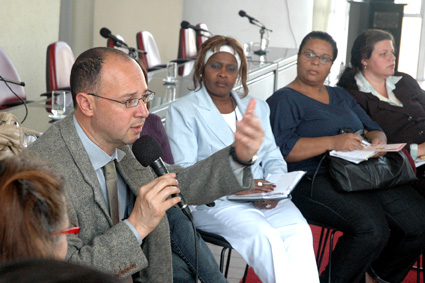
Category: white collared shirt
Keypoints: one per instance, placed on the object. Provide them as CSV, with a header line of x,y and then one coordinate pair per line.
x,y
365,86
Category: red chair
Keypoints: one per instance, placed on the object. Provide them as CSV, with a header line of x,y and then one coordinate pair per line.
x,y
59,61
7,90
187,44
146,42
200,36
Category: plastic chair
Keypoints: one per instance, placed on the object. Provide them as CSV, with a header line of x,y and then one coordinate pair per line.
x,y
327,233
200,38
146,42
187,44
221,242
8,71
59,61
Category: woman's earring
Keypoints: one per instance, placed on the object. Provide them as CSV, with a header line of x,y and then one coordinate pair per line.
x,y
364,67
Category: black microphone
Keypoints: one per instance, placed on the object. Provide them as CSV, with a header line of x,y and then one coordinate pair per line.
x,y
148,152
243,14
186,25
106,33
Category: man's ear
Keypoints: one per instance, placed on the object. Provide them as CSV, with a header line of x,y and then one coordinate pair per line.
x,y
85,103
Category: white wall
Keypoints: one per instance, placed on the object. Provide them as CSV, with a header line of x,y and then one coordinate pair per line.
x,y
127,17
27,28
222,17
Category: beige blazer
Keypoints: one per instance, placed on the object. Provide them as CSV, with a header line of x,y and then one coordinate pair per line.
x,y
114,249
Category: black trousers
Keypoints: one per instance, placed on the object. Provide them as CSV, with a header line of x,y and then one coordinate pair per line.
x,y
384,229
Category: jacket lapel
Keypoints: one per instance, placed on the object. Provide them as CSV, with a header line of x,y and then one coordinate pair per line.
x,y
208,112
82,160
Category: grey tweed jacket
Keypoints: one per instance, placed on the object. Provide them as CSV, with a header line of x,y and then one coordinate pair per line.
x,y
114,249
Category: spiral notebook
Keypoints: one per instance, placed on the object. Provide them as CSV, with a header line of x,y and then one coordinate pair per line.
x,y
285,184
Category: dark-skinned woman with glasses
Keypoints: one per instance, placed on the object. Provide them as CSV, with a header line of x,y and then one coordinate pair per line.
x,y
33,216
383,230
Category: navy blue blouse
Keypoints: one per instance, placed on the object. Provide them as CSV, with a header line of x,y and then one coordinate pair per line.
x,y
294,115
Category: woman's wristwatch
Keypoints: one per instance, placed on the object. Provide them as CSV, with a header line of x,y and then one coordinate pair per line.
x,y
237,160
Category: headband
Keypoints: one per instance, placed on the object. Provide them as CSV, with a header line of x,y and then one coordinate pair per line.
x,y
223,48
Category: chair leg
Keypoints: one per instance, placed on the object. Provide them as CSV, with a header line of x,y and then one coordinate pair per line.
x,y
228,263
322,244
319,248
331,245
245,273
223,251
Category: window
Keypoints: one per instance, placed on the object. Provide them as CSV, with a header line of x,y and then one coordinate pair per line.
x,y
412,49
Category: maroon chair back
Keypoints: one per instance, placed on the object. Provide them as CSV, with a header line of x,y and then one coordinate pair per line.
x,y
146,42
187,44
59,61
199,36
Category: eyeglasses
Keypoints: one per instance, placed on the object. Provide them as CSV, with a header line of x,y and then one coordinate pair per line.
x,y
73,230
132,102
322,59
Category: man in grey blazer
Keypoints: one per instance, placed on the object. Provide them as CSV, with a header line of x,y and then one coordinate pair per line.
x,y
107,86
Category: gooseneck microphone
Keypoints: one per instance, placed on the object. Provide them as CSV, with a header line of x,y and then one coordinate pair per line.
x,y
106,33
186,25
243,14
148,152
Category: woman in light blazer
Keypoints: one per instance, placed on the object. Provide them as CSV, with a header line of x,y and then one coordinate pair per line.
x,y
273,237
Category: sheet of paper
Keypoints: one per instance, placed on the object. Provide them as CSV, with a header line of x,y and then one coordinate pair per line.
x,y
385,147
285,183
355,156
419,162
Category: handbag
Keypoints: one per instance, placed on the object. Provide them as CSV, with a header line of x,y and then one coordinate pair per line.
x,y
13,137
386,171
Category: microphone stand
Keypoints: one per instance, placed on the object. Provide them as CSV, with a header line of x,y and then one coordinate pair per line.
x,y
6,82
132,52
11,81
263,29
203,33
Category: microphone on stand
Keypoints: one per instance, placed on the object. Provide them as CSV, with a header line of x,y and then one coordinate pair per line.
x,y
251,19
148,152
186,25
106,33
263,29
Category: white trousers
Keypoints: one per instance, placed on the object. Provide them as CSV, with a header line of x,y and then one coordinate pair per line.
x,y
277,243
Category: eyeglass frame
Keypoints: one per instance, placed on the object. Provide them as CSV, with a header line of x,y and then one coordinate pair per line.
x,y
322,59
146,98
72,230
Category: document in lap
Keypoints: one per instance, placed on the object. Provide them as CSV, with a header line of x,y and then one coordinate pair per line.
x,y
285,183
357,156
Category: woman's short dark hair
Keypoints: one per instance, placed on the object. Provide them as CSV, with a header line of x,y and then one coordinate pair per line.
x,y
32,207
322,36
214,43
364,45
362,49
